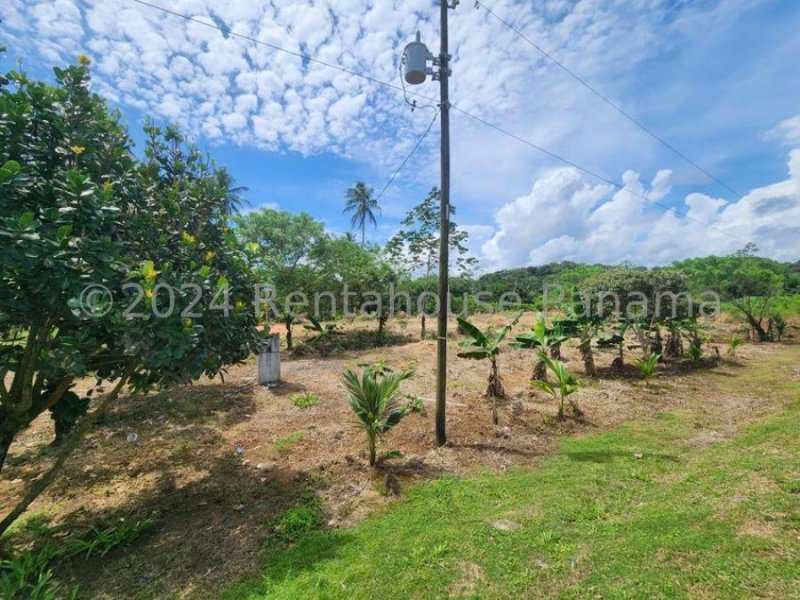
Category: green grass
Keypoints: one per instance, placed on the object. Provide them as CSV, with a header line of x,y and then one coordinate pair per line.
x,y
285,442
644,511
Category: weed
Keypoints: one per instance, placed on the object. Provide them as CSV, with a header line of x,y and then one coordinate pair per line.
x,y
733,344
415,404
298,521
305,400
284,442
26,576
101,541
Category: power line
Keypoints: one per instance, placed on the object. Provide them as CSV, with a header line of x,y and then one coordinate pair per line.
x,y
410,154
590,172
301,55
371,79
607,100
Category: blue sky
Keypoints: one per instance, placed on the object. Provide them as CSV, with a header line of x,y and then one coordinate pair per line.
x,y
717,79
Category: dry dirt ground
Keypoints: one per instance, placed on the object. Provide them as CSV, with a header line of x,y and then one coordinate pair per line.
x,y
213,464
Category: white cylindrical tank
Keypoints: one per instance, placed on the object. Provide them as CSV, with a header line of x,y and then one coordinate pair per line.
x,y
269,361
415,58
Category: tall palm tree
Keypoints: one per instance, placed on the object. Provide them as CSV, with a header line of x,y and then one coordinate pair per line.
x,y
359,200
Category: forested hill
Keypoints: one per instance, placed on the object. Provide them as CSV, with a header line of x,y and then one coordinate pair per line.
x,y
528,282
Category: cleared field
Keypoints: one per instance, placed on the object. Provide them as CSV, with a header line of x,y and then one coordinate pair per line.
x,y
231,481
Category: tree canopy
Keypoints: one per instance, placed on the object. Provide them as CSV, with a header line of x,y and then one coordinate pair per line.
x,y
112,267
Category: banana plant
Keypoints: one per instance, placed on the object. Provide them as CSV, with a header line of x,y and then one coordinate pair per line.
x,y
616,340
323,334
486,346
376,403
565,384
544,338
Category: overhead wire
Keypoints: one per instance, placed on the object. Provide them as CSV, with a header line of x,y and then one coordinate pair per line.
x,y
607,100
409,155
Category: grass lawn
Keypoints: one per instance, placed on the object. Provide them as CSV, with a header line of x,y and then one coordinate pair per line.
x,y
660,508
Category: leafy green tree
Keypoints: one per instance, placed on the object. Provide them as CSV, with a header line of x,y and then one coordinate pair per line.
x,y
375,400
416,245
78,209
360,201
283,249
487,346
750,284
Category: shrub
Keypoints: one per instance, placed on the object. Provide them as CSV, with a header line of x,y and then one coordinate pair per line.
x,y
376,369
415,403
779,326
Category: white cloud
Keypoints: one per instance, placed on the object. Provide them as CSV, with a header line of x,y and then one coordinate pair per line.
x,y
675,66
787,131
566,218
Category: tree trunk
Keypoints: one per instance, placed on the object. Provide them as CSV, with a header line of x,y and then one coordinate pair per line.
x,y
674,347
41,484
5,444
588,357
289,337
758,334
658,344
539,371
422,330
382,324
372,450
495,391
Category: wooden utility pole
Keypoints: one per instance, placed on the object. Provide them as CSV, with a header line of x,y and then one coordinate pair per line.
x,y
444,233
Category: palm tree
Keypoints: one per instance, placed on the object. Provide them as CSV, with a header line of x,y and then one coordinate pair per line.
x,y
375,400
566,383
360,202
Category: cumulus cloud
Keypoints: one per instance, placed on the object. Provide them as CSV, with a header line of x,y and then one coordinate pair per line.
x,y
566,218
787,131
232,91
